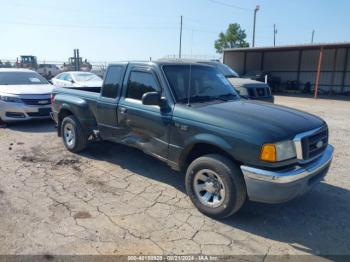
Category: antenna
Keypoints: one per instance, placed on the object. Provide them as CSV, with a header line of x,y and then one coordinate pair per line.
x,y
189,87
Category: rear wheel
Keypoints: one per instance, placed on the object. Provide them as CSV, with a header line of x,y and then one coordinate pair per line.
x,y
216,186
74,137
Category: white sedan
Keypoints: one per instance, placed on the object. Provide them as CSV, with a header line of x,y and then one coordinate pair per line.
x,y
24,95
78,79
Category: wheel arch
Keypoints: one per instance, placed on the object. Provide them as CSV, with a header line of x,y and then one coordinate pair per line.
x,y
207,144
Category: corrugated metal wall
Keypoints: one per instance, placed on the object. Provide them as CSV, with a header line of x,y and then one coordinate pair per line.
x,y
285,64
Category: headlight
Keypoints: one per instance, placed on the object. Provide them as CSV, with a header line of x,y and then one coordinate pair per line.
x,y
11,99
278,151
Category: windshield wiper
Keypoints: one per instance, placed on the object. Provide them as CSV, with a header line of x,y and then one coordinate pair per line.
x,y
200,98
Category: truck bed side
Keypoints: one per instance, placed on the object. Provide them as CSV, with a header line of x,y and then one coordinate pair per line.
x,y
82,104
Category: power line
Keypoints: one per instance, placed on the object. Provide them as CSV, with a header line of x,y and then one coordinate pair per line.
x,y
232,6
88,26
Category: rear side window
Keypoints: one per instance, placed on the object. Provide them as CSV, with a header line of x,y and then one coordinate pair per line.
x,y
112,82
139,84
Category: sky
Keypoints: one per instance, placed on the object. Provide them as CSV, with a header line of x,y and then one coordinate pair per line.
x,y
119,30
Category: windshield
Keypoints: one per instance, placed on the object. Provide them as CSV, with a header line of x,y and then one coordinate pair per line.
x,y
21,78
85,77
226,70
206,83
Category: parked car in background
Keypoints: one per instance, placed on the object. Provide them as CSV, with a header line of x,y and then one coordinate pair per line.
x,y
78,79
249,89
24,95
48,70
189,116
99,72
273,81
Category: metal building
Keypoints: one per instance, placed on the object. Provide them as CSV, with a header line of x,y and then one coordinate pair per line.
x,y
326,67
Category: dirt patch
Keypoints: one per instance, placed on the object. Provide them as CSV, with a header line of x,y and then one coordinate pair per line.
x,y
1,192
67,162
95,182
73,163
82,215
32,159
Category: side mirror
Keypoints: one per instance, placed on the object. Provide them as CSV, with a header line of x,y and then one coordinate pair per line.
x,y
72,81
50,81
151,99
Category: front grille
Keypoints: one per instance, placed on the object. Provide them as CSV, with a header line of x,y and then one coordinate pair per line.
x,y
261,91
14,115
315,144
37,102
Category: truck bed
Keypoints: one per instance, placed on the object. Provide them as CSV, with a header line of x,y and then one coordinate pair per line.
x,y
77,97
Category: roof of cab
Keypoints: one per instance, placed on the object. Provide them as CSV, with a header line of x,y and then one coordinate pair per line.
x,y
168,62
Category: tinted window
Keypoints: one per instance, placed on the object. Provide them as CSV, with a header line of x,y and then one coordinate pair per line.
x,y
206,83
112,82
251,92
139,84
21,78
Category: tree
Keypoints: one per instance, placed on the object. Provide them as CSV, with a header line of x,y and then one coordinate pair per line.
x,y
234,37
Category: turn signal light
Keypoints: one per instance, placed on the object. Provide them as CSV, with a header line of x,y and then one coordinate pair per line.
x,y
268,153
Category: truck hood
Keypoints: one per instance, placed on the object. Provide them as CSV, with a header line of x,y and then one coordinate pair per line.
x,y
254,118
26,89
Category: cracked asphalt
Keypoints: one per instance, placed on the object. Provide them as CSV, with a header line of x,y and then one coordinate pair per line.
x,y
116,200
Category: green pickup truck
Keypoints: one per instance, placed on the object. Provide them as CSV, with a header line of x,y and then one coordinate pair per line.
x,y
189,116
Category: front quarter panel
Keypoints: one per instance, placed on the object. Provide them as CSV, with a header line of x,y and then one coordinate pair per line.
x,y
185,134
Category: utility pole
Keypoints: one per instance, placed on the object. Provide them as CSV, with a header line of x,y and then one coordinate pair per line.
x,y
255,11
180,38
274,34
312,36
78,60
75,60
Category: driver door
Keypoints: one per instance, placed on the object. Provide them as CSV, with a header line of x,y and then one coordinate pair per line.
x,y
145,127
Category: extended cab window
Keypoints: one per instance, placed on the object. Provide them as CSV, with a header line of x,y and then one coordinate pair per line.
x,y
112,82
139,84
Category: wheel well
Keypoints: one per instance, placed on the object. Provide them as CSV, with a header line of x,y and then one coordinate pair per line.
x,y
61,115
202,149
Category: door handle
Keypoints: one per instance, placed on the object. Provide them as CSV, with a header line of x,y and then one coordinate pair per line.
x,y
123,110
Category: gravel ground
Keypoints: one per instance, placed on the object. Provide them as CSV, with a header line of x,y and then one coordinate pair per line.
x,y
116,200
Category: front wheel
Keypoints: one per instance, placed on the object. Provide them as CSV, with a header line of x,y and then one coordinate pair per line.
x,y
216,186
74,137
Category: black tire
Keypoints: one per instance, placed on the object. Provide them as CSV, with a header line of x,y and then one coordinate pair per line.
x,y
230,175
81,138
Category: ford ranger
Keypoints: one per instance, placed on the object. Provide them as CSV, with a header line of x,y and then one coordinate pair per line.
x,y
189,116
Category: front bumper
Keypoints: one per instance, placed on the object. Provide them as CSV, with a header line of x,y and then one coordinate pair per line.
x,y
281,186
13,112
